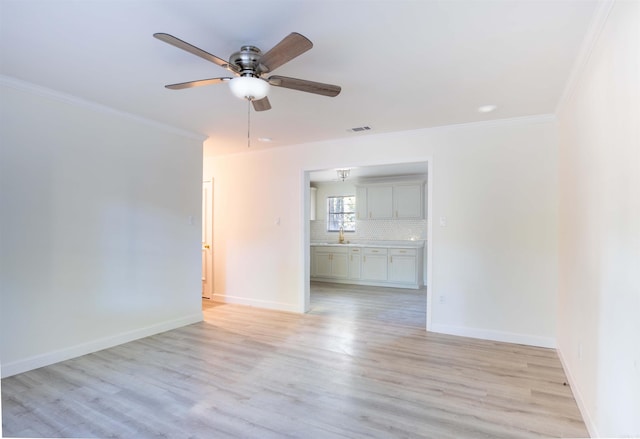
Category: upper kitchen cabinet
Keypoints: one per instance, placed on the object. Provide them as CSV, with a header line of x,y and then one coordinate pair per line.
x,y
408,201
362,211
313,202
398,200
380,202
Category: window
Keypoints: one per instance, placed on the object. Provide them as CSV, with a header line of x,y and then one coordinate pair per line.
x,y
341,212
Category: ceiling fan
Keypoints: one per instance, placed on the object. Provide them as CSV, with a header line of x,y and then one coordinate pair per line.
x,y
249,66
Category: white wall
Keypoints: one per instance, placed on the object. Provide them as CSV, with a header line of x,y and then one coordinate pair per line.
x,y
96,246
599,257
494,263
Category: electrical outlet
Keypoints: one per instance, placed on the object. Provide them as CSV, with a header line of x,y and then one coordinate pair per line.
x,y
441,299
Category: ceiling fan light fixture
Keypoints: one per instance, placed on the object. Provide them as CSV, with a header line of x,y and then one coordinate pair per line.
x,y
249,87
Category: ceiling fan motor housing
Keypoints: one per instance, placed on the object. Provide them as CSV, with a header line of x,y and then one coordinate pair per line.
x,y
247,59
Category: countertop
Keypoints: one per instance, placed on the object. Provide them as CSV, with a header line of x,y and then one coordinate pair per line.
x,y
381,244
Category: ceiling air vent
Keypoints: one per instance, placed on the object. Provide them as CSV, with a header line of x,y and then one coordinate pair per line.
x,y
359,129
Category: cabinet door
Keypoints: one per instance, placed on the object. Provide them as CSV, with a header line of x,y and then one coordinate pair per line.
x,y
312,262
407,201
322,261
361,203
355,264
402,269
339,265
380,202
374,264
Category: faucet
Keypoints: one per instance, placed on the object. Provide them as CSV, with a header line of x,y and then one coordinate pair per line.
x,y
341,235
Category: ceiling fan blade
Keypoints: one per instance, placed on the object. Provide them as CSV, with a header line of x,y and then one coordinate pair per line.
x,y
261,104
190,84
304,85
177,42
290,47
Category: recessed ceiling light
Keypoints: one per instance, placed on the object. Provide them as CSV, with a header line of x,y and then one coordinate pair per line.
x,y
487,108
265,139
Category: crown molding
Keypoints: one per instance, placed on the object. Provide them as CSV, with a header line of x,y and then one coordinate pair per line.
x,y
18,84
598,22
522,120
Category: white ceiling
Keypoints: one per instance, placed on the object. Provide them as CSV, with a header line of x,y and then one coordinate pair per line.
x,y
401,64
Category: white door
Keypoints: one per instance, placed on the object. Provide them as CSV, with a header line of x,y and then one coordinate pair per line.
x,y
207,239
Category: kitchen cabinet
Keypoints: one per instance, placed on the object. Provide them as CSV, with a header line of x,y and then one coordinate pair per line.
x,y
403,266
330,262
355,263
374,264
313,202
363,264
380,202
404,200
408,201
361,203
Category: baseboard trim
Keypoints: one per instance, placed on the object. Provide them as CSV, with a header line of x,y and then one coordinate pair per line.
x,y
489,334
257,303
586,417
46,359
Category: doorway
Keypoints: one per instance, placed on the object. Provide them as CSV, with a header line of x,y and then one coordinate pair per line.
x,y
316,232
207,239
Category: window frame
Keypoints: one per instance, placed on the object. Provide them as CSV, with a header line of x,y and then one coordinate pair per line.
x,y
349,225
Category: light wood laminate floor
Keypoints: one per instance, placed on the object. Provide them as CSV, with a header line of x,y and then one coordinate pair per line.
x,y
351,368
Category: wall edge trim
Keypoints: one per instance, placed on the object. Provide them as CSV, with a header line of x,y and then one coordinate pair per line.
x,y
18,84
48,358
493,335
575,390
584,54
257,303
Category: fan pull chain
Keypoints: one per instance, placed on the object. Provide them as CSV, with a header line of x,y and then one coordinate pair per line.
x,y
248,123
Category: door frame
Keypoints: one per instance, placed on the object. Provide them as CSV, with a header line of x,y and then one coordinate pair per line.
x,y
305,290
207,231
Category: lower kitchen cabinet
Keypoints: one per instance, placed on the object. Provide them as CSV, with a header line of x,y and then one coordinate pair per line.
x,y
367,265
374,264
402,266
330,262
355,263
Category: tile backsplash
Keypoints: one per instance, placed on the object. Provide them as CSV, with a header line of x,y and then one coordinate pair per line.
x,y
374,230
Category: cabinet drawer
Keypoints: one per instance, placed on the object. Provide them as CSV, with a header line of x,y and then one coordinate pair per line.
x,y
402,252
329,249
375,251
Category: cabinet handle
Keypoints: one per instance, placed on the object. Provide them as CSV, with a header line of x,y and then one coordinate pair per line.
x,y
374,251
391,259
351,258
364,259
396,214
369,214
